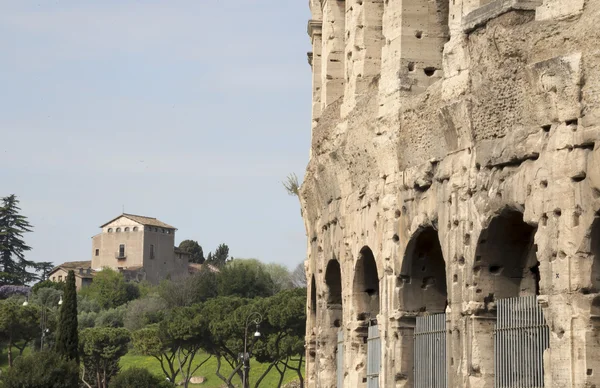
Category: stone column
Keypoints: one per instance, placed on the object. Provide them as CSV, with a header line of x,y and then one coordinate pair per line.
x,y
415,32
315,32
332,70
364,40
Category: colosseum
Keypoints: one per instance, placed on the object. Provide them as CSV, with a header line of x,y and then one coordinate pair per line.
x,y
452,196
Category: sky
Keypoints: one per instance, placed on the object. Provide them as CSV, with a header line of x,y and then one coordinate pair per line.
x,y
192,112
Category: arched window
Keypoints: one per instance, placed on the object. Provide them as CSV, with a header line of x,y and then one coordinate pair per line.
x,y
109,230
127,229
366,286
135,228
118,230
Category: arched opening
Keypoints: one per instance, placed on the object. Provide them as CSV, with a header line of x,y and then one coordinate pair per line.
x,y
423,276
332,335
313,300
423,300
505,266
505,260
366,286
333,281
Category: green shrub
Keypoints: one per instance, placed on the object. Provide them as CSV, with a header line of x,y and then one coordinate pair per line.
x,y
138,378
85,320
41,370
111,317
59,286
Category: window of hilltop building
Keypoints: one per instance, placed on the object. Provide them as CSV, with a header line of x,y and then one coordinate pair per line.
x,y
60,278
152,251
127,229
118,230
109,230
135,228
122,250
97,252
53,278
163,230
168,231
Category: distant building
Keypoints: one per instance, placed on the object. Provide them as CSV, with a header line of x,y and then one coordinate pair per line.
x,y
83,273
142,248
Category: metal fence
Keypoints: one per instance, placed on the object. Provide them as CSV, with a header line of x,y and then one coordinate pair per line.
x,y
340,359
373,357
521,336
430,352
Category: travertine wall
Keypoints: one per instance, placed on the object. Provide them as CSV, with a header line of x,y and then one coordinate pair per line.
x,y
454,161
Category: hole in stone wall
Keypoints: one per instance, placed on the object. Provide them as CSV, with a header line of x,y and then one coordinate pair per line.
x,y
544,184
396,238
366,284
546,128
397,213
509,253
571,122
411,66
579,177
589,372
557,212
429,71
419,34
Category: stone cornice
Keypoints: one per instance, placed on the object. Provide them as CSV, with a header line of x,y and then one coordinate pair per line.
x,y
315,27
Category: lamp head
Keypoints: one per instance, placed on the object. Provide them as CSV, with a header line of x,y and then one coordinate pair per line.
x,y
60,302
26,303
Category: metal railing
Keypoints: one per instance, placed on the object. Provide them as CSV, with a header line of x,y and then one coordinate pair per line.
x,y
521,336
340,359
430,352
373,357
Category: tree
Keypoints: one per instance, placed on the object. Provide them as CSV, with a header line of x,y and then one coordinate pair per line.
x,y
60,286
298,276
13,265
67,342
144,312
176,341
283,330
191,290
109,289
246,278
220,257
280,275
101,349
41,370
19,325
43,268
138,378
193,248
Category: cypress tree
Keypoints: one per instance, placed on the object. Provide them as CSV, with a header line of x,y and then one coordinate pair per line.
x,y
67,340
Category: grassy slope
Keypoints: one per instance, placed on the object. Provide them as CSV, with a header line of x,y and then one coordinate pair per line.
x,y
208,370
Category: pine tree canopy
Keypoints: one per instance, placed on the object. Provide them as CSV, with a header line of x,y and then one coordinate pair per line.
x,y
13,265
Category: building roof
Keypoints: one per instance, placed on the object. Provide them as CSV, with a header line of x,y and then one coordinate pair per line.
x,y
75,266
149,221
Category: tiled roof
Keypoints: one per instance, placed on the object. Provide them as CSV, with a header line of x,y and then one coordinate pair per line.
x,y
149,221
75,266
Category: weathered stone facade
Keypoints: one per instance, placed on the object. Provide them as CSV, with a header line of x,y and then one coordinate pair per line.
x,y
454,161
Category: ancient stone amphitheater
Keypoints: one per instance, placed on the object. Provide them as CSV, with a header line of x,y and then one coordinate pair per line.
x,y
452,194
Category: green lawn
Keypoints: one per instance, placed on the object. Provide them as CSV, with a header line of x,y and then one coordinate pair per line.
x,y
208,371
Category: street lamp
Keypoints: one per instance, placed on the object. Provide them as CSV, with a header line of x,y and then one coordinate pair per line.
x,y
254,318
43,318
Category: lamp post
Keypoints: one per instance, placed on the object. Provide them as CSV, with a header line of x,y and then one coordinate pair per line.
x,y
253,318
43,319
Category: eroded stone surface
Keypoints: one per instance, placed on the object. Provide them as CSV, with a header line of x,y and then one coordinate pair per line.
x,y
455,166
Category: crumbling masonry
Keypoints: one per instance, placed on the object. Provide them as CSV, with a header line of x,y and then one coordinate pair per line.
x,y
455,161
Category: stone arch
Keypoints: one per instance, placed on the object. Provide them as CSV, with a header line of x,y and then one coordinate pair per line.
x,y
505,262
423,276
422,288
333,283
366,286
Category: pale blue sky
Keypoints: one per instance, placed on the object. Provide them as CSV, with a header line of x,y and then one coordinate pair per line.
x,y
189,111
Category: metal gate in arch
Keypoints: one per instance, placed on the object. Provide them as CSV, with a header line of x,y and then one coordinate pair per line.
x,y
340,359
521,336
373,357
430,352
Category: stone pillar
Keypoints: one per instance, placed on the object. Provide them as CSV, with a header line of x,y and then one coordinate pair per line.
x,y
364,40
332,70
315,32
415,32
